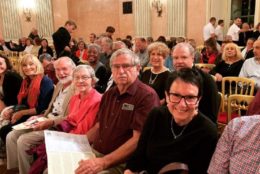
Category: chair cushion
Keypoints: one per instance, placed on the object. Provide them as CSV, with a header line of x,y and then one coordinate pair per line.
x,y
222,117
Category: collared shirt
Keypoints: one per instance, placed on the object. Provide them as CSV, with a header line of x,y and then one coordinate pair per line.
x,y
208,30
83,111
251,69
233,31
219,33
238,149
57,104
119,115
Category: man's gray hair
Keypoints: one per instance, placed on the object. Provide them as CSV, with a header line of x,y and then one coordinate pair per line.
x,y
108,41
45,56
67,59
186,45
124,51
89,69
95,46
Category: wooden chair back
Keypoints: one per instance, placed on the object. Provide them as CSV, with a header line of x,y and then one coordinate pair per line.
x,y
236,85
237,103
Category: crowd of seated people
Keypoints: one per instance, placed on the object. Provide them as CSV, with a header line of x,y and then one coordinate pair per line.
x,y
184,97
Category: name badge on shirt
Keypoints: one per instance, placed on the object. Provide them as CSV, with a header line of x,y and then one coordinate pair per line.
x,y
128,107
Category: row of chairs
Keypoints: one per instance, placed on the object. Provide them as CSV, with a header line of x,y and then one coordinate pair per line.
x,y
236,95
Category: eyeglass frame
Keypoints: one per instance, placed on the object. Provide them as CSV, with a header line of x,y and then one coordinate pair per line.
x,y
83,78
183,97
124,66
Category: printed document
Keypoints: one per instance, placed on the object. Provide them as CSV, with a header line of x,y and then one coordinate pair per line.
x,y
65,150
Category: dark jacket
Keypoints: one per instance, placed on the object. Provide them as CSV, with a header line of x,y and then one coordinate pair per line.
x,y
61,39
11,86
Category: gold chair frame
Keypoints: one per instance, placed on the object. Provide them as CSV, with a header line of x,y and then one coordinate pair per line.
x,y
243,86
205,65
238,102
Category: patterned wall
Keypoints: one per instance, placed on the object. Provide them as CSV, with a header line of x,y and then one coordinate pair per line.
x,y
10,19
142,18
176,18
44,19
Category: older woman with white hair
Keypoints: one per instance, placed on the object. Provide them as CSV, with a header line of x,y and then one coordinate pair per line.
x,y
84,105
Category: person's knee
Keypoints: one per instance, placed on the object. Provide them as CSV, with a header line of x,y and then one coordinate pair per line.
x,y
11,138
21,142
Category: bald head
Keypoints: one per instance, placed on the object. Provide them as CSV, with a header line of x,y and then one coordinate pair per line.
x,y
256,47
183,56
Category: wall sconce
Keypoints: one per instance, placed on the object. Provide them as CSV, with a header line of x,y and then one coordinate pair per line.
x,y
157,4
27,7
27,14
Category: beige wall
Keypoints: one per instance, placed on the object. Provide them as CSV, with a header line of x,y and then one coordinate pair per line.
x,y
94,16
196,17
159,24
126,21
1,33
60,13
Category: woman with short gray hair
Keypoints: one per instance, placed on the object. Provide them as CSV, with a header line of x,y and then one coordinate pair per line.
x,y
158,73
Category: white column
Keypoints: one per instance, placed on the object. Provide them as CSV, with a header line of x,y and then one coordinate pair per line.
x,y
142,18
257,12
10,19
44,18
176,18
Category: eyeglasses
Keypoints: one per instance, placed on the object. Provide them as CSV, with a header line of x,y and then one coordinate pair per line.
x,y
124,66
189,100
83,78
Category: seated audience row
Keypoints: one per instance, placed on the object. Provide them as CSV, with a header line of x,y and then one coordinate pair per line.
x,y
34,95
124,110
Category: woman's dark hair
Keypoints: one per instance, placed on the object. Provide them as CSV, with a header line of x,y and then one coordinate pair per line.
x,y
85,45
188,75
7,61
161,39
211,43
128,43
45,40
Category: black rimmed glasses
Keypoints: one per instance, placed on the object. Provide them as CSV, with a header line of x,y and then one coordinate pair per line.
x,y
189,99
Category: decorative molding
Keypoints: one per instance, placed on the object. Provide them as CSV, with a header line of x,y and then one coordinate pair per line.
x,y
10,19
176,18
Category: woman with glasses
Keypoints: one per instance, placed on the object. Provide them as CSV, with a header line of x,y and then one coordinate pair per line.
x,y
177,132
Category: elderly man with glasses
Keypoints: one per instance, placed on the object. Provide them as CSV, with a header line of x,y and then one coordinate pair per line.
x,y
123,111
